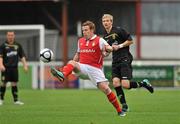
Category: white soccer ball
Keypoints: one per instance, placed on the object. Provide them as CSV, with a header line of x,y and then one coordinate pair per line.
x,y
46,55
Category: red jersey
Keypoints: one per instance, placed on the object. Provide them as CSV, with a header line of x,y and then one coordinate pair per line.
x,y
90,52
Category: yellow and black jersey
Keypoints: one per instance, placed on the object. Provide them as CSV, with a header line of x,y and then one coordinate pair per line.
x,y
11,54
117,36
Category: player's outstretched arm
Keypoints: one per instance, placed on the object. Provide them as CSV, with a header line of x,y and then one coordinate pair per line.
x,y
122,45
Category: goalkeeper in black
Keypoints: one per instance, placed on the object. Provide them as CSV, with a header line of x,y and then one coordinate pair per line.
x,y
10,52
120,40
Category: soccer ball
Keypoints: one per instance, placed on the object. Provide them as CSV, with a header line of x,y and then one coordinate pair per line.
x,y
46,55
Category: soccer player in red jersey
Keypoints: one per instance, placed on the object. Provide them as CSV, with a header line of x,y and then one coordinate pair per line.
x,y
89,61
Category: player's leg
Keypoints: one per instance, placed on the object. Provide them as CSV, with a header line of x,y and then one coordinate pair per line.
x,y
134,84
14,90
80,74
103,86
66,70
120,94
3,86
13,77
2,92
126,73
98,76
116,76
57,73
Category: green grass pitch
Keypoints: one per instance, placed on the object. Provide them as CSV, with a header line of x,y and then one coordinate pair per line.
x,y
90,107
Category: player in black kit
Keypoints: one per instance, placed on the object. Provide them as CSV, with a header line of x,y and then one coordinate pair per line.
x,y
120,40
10,51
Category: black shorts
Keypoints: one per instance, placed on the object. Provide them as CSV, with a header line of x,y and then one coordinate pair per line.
x,y
122,69
10,75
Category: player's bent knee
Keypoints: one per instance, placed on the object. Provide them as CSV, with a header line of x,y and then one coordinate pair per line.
x,y
125,84
72,62
104,87
116,84
107,91
14,83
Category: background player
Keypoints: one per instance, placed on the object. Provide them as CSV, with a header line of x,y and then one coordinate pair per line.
x,y
120,40
10,51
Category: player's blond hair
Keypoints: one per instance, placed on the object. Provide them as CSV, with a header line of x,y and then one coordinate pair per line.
x,y
108,16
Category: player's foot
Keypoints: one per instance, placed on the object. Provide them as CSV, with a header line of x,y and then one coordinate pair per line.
x,y
1,102
57,74
122,114
18,103
125,107
147,85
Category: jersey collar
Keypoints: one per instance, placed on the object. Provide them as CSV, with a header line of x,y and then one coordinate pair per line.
x,y
93,37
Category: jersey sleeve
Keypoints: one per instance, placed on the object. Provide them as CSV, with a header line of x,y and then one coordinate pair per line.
x,y
78,49
1,50
126,35
102,43
21,51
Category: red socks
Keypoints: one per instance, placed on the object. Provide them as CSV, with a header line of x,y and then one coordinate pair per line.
x,y
67,69
112,98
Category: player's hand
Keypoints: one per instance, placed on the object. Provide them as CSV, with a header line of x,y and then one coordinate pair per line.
x,y
2,68
116,47
26,69
105,54
108,48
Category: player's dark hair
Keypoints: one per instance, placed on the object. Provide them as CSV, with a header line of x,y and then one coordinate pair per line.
x,y
10,31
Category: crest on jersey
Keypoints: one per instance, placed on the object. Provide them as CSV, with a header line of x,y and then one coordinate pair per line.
x,y
15,47
114,36
93,44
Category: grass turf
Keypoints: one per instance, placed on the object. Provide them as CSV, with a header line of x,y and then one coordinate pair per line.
x,y
90,107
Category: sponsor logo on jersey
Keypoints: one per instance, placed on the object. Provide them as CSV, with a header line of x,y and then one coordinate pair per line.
x,y
88,51
12,53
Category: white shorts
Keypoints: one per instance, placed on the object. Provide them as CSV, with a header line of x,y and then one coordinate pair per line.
x,y
96,75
